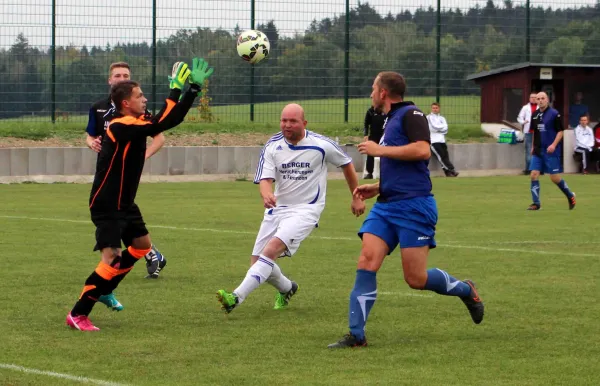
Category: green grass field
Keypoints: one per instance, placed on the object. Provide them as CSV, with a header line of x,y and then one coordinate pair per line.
x,y
538,274
324,115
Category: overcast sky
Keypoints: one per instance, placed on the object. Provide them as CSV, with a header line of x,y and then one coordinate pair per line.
x,y
109,21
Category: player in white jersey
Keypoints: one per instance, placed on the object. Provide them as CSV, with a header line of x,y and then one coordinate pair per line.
x,y
296,160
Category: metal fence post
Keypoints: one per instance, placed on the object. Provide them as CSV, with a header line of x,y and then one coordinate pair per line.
x,y
53,65
438,53
347,61
252,21
153,56
527,32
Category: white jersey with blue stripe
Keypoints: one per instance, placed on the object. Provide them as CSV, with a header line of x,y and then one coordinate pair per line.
x,y
299,171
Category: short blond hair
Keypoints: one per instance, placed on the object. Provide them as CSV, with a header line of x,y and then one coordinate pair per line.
x,y
118,65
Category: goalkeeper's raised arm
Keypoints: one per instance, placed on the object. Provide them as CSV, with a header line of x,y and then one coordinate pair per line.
x,y
130,102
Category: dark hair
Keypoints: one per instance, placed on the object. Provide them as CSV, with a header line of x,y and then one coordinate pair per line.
x,y
118,65
435,104
584,116
122,91
393,82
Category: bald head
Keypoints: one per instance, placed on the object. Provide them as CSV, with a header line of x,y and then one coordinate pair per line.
x,y
292,123
542,100
293,109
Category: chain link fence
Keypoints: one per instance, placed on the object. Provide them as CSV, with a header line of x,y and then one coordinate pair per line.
x,y
55,54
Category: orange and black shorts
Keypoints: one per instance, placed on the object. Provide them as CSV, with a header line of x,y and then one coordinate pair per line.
x,y
112,227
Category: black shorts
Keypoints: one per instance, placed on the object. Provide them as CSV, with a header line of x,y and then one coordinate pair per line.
x,y
116,226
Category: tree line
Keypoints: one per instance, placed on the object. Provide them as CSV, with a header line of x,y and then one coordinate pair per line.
x,y
310,65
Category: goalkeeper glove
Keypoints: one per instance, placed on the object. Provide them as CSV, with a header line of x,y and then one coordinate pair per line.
x,y
179,75
200,72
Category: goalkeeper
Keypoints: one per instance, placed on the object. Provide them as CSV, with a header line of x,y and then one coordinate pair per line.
x,y
118,170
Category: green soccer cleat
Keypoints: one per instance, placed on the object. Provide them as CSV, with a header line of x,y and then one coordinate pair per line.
x,y
228,301
111,302
282,299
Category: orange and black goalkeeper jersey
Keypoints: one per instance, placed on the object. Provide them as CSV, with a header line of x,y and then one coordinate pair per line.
x,y
121,159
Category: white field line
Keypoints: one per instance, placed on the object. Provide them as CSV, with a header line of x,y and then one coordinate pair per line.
x,y
26,370
450,245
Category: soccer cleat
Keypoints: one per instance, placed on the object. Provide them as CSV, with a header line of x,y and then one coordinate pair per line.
x,y
369,176
474,303
282,300
228,301
535,206
572,201
81,323
349,341
111,302
155,262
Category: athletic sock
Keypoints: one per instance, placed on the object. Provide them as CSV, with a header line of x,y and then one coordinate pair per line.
x,y
257,275
442,283
362,299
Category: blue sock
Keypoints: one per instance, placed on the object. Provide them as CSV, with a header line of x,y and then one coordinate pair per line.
x,y
535,192
562,185
439,281
362,298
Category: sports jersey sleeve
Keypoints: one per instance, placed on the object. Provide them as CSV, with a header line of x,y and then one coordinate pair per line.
x,y
172,114
558,125
416,126
92,124
334,154
265,170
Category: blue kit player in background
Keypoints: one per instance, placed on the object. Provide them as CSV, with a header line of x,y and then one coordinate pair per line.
x,y
546,153
97,124
405,212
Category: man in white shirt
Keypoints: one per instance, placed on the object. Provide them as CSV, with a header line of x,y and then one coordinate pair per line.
x,y
438,128
584,139
296,160
524,118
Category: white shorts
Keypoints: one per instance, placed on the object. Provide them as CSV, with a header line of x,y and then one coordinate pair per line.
x,y
289,225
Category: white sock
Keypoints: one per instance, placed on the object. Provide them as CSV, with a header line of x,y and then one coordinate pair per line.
x,y
257,275
279,281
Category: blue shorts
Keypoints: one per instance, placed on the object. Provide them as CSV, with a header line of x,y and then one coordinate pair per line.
x,y
410,223
546,163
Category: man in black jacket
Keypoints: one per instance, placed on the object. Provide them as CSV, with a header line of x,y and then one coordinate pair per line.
x,y
374,121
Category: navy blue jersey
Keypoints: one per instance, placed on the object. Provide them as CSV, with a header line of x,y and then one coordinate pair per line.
x,y
96,122
399,179
546,125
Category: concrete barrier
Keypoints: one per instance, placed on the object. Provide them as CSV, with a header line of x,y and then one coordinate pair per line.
x,y
182,161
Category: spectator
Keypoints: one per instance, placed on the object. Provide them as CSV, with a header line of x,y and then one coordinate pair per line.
x,y
577,109
374,121
584,138
524,119
438,128
597,135
596,151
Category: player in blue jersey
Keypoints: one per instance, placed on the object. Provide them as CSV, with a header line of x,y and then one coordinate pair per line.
x,y
546,153
405,212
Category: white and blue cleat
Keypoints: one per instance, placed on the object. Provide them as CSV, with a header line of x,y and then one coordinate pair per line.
x,y
155,262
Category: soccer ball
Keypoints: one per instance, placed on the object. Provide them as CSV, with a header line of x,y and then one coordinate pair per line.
x,y
253,46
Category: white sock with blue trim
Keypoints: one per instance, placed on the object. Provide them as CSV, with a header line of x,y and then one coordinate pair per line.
x,y
279,281
257,275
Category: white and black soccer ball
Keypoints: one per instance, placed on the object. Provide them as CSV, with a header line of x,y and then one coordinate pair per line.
x,y
253,46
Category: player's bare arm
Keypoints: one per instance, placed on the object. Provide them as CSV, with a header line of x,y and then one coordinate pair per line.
x,y
559,137
415,151
357,206
157,143
364,192
266,192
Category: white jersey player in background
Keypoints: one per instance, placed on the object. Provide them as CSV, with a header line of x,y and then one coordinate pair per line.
x,y
296,160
